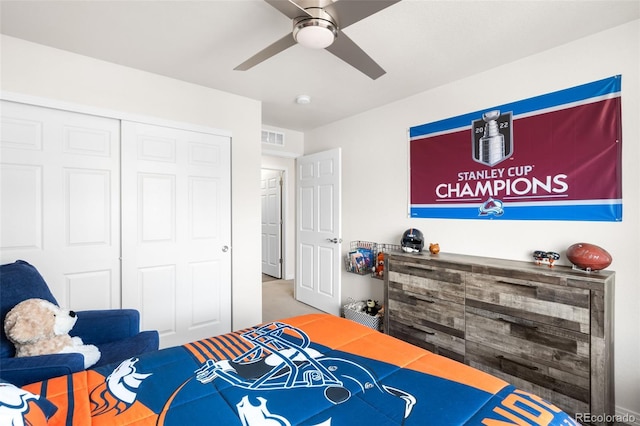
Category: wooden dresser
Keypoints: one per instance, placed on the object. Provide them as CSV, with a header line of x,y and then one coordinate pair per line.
x,y
545,330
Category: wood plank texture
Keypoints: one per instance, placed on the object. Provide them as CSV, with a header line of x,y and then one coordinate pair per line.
x,y
545,330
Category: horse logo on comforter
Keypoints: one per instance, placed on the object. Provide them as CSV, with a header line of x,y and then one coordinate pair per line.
x,y
119,390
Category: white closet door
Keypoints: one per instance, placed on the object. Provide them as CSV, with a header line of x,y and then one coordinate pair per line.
x,y
176,231
60,201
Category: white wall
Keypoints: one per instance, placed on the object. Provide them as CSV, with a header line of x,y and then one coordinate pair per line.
x,y
374,154
37,70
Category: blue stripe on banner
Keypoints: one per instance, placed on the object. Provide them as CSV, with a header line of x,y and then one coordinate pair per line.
x,y
591,212
574,94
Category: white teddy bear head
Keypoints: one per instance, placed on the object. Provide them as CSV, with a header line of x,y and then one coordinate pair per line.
x,y
35,320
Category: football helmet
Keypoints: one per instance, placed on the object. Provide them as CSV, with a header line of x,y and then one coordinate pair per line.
x,y
412,241
279,357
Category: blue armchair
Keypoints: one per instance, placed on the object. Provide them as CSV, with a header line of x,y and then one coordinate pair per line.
x,y
116,332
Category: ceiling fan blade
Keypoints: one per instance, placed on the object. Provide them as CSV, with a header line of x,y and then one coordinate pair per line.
x,y
345,49
275,48
348,12
288,8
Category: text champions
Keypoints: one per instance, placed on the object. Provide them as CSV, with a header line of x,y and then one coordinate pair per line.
x,y
517,181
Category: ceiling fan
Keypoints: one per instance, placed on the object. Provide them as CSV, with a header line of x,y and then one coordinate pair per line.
x,y
318,24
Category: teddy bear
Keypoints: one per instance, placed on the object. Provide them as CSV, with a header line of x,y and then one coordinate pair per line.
x,y
372,307
38,327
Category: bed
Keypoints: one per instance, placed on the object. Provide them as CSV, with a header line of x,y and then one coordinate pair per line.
x,y
307,370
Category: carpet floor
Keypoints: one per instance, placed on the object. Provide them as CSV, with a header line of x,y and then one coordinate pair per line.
x,y
278,301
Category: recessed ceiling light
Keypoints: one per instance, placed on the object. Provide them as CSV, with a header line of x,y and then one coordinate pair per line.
x,y
303,99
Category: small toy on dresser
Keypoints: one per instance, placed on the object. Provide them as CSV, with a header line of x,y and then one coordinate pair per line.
x,y
379,269
547,257
434,248
38,327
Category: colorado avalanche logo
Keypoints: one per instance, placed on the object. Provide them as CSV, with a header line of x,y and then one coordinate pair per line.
x,y
119,389
492,206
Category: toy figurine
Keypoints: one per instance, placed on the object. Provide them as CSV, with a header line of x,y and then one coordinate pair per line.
x,y
549,257
380,264
434,248
372,307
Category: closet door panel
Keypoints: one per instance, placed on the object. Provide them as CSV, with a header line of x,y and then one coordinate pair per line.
x,y
159,313
21,208
60,201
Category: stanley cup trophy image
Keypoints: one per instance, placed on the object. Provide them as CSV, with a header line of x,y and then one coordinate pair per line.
x,y
492,141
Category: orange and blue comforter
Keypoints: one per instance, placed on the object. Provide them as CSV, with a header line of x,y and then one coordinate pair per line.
x,y
315,370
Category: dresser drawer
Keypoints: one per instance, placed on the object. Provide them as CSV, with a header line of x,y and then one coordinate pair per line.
x,y
429,281
547,303
531,377
429,322
412,308
433,339
543,355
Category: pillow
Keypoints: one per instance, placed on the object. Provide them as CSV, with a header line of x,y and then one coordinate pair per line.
x,y
18,406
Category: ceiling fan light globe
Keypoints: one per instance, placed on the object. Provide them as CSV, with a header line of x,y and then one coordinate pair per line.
x,y
314,33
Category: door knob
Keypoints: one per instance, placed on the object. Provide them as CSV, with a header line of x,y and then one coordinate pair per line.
x,y
225,249
334,240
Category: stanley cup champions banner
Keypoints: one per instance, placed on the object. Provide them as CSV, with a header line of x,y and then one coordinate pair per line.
x,y
552,157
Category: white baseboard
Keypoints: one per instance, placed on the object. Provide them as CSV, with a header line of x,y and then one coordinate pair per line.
x,y
627,416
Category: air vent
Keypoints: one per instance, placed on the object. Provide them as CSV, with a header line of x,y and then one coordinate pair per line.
x,y
272,138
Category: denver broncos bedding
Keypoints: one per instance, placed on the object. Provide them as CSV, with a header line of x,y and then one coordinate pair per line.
x,y
308,370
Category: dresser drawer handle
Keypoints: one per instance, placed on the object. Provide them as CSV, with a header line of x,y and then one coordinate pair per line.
x,y
417,268
530,327
502,359
421,299
516,284
430,333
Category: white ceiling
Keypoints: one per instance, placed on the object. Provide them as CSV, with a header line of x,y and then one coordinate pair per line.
x,y
420,43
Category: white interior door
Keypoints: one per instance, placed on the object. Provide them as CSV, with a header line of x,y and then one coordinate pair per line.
x,y
318,236
271,201
60,201
176,224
